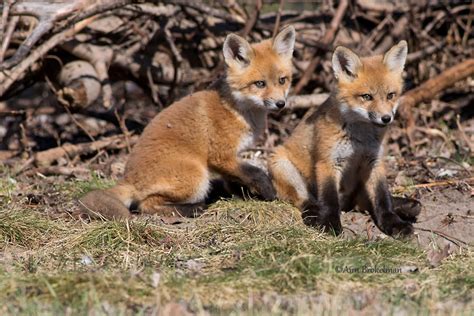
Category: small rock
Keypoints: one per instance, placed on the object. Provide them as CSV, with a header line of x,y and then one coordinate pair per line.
x,y
86,260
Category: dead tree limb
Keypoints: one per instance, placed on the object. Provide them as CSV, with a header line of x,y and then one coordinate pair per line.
x,y
9,77
307,101
326,40
4,19
48,157
8,35
207,10
252,20
47,14
278,17
429,89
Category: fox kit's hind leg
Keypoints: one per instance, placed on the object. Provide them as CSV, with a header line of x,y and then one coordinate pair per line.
x,y
288,181
376,198
291,186
156,205
181,189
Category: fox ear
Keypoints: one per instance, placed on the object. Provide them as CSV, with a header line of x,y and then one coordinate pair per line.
x,y
395,58
237,51
345,63
284,42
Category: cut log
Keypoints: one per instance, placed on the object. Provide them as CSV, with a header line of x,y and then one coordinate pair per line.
x,y
81,85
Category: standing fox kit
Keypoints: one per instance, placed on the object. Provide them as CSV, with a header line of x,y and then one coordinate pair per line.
x,y
170,168
333,160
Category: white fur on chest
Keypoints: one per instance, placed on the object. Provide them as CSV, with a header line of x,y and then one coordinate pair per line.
x,y
342,151
246,141
347,150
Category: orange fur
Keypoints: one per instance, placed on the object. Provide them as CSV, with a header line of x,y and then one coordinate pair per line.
x,y
170,168
333,160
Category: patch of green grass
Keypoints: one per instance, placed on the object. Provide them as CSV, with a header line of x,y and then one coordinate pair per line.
x,y
246,257
22,227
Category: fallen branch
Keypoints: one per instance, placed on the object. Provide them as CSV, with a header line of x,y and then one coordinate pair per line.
x,y
306,101
8,35
207,10
47,14
3,23
430,88
47,157
252,20
59,170
9,77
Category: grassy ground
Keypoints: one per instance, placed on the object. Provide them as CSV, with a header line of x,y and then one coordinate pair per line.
x,y
245,257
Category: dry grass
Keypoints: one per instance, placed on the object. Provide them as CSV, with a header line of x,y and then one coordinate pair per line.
x,y
248,257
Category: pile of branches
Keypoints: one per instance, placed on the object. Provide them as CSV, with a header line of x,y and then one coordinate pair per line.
x,y
81,76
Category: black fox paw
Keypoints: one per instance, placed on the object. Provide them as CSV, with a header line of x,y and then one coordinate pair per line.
x,y
408,209
266,190
396,227
316,216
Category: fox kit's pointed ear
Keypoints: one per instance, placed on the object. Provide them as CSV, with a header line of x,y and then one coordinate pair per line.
x,y
345,63
395,58
284,42
237,51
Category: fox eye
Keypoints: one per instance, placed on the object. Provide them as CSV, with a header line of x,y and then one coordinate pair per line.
x,y
282,80
367,97
390,96
260,84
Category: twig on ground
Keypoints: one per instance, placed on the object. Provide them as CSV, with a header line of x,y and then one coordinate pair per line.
x,y
452,239
469,181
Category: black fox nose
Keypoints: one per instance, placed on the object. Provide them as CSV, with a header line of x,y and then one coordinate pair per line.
x,y
386,119
280,104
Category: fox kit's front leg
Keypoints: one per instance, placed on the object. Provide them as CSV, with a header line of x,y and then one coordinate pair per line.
x,y
376,198
328,214
253,177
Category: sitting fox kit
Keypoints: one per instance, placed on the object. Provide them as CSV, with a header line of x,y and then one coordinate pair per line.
x,y
171,167
333,160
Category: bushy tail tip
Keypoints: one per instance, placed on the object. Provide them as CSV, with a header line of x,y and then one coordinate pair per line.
x,y
103,204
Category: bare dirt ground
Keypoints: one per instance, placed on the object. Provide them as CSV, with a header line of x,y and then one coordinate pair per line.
x,y
446,217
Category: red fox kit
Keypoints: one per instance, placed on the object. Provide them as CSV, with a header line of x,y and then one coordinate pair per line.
x,y
170,168
333,160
